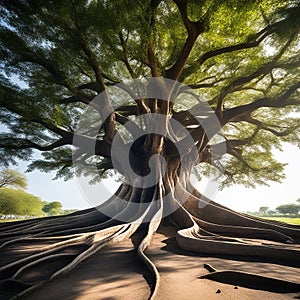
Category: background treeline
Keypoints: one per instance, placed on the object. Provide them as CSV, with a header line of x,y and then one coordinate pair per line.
x,y
283,210
15,203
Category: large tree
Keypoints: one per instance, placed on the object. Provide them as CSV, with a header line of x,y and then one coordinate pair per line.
x,y
225,93
12,178
291,209
18,202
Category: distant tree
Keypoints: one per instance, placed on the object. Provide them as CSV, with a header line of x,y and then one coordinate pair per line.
x,y
298,200
263,210
291,209
53,208
18,202
272,212
12,178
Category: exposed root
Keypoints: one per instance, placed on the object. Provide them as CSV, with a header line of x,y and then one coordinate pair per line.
x,y
191,239
153,226
209,229
250,280
245,232
212,214
10,287
39,261
98,243
92,241
209,268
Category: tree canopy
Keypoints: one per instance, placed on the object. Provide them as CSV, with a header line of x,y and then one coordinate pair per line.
x,y
240,56
263,209
12,178
291,208
18,202
52,208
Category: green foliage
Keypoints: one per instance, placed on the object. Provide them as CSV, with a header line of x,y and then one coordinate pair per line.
x,y
52,208
263,209
48,45
18,202
291,209
295,221
58,159
12,178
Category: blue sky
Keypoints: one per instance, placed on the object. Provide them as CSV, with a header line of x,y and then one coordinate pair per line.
x,y
237,197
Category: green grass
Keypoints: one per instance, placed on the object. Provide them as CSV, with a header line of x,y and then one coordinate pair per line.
x,y
295,221
13,220
9,220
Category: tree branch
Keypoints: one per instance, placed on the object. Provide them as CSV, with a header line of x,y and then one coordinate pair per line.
x,y
253,41
132,127
125,56
280,101
78,97
152,63
193,29
109,121
19,143
50,126
245,79
90,146
263,126
127,110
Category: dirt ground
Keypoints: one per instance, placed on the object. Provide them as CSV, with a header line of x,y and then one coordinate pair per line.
x,y
115,273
